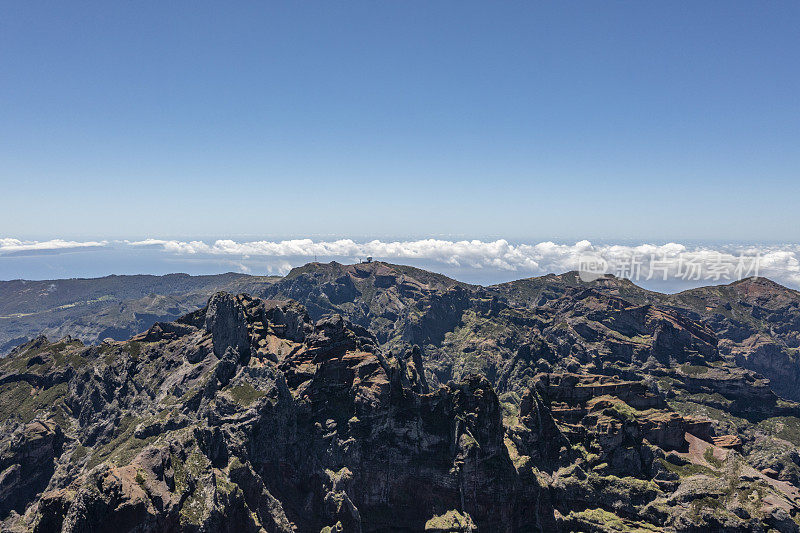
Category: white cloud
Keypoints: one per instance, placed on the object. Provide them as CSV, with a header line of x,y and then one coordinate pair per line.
x,y
8,245
780,262
499,259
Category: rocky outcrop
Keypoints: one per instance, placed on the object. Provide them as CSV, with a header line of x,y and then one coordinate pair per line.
x,y
611,412
758,324
27,462
244,416
377,296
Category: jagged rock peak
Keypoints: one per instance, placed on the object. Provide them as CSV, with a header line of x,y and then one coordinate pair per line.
x,y
226,321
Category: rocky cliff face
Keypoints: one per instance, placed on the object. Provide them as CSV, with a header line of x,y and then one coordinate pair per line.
x,y
374,295
248,416
388,398
758,323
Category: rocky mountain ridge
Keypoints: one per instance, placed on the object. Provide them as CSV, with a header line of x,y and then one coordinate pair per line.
x,y
116,307
374,397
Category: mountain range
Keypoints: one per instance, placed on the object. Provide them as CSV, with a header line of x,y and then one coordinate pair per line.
x,y
375,397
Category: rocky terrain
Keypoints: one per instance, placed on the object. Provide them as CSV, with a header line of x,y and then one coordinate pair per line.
x,y
377,397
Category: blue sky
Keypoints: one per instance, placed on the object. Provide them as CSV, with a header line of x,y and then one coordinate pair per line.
x,y
522,120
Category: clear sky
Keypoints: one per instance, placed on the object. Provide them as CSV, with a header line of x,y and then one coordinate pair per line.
x,y
521,120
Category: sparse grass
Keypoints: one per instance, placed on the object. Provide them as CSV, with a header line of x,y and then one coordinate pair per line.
x,y
708,455
110,353
747,494
24,402
610,522
665,382
712,399
450,521
694,370
134,348
688,469
783,427
513,453
707,502
57,354
123,447
509,402
630,484
224,485
613,488
468,441
579,450
63,357
187,477
78,454
621,411
193,508
244,394
12,396
235,463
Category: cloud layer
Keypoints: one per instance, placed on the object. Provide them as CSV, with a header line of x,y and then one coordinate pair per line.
x,y
641,262
9,245
488,261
